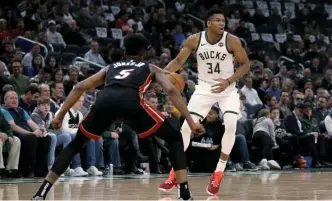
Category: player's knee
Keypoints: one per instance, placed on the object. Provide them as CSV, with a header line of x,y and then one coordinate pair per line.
x,y
230,121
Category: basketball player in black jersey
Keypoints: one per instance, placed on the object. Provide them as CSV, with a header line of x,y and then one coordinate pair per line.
x,y
122,98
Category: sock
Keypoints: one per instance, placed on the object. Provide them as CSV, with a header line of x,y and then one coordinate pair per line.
x,y
221,165
183,191
44,188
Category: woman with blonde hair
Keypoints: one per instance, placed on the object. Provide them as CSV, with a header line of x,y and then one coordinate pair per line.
x,y
264,139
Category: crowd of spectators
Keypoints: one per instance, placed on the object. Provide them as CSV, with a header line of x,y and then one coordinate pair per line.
x,y
286,110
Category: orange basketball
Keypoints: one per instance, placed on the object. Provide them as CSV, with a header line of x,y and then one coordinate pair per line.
x,y
176,80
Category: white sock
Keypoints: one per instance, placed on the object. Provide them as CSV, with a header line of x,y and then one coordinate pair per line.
x,y
221,165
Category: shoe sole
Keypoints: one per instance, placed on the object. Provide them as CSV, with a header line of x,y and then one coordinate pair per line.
x,y
209,193
165,190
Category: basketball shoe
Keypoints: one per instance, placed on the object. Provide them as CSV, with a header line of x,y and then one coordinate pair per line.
x,y
215,179
169,183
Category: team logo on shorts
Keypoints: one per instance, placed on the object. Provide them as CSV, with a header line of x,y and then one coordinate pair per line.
x,y
221,44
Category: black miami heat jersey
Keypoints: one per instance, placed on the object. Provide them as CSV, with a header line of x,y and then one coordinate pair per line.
x,y
130,73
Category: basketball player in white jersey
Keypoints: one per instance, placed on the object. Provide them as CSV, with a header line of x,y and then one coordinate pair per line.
x,y
217,51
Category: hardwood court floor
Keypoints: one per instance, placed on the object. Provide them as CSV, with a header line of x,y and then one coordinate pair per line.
x,y
291,185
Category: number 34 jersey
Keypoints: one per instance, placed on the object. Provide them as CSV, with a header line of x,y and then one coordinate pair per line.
x,y
127,73
214,61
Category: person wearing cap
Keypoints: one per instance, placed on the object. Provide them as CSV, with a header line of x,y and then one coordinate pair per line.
x,y
295,126
53,36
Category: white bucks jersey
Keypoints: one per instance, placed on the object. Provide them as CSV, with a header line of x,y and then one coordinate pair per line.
x,y
214,60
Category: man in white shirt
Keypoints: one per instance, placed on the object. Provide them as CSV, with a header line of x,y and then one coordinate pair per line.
x,y
93,54
70,125
250,93
27,59
53,36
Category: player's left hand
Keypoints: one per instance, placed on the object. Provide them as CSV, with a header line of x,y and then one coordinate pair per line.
x,y
219,87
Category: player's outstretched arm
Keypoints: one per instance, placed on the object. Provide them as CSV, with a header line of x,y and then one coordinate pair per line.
x,y
90,83
241,57
172,92
189,46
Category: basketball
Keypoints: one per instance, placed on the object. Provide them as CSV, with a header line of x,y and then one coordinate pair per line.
x,y
176,80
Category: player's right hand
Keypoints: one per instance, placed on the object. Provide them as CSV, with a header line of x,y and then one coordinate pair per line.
x,y
56,123
197,129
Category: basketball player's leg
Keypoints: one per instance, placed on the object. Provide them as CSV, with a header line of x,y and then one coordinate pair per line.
x,y
151,122
230,107
198,106
92,127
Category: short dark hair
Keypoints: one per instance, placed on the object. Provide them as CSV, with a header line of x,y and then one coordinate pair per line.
x,y
134,44
32,88
53,84
44,100
213,11
148,96
268,97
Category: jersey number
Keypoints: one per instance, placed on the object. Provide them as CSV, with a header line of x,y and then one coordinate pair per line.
x,y
211,69
123,74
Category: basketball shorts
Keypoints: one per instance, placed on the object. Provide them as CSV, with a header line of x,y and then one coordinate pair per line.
x,y
121,104
202,100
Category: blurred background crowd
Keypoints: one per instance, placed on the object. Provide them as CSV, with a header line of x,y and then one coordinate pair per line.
x,y
48,46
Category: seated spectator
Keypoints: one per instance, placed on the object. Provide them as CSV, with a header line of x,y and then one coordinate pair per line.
x,y
28,58
294,126
56,95
34,69
288,143
44,90
264,139
53,36
11,144
250,93
19,81
3,81
70,125
93,54
73,80
28,100
43,118
204,150
275,88
34,142
270,101
283,105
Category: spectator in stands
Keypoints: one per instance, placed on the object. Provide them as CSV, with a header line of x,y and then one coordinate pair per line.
x,y
36,66
111,146
66,16
309,96
34,143
264,139
42,39
241,149
270,101
98,19
288,143
43,117
321,110
122,22
275,88
73,80
93,54
51,62
261,90
73,35
69,126
11,144
283,105
58,75
204,154
250,93
7,56
20,82
53,36
44,90
83,20
3,80
28,100
57,95
294,126
28,58
327,81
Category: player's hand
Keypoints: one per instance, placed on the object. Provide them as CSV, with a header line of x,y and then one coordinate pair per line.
x,y
197,129
57,123
3,137
220,86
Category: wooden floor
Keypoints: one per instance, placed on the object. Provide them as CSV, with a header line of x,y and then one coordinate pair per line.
x,y
236,186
